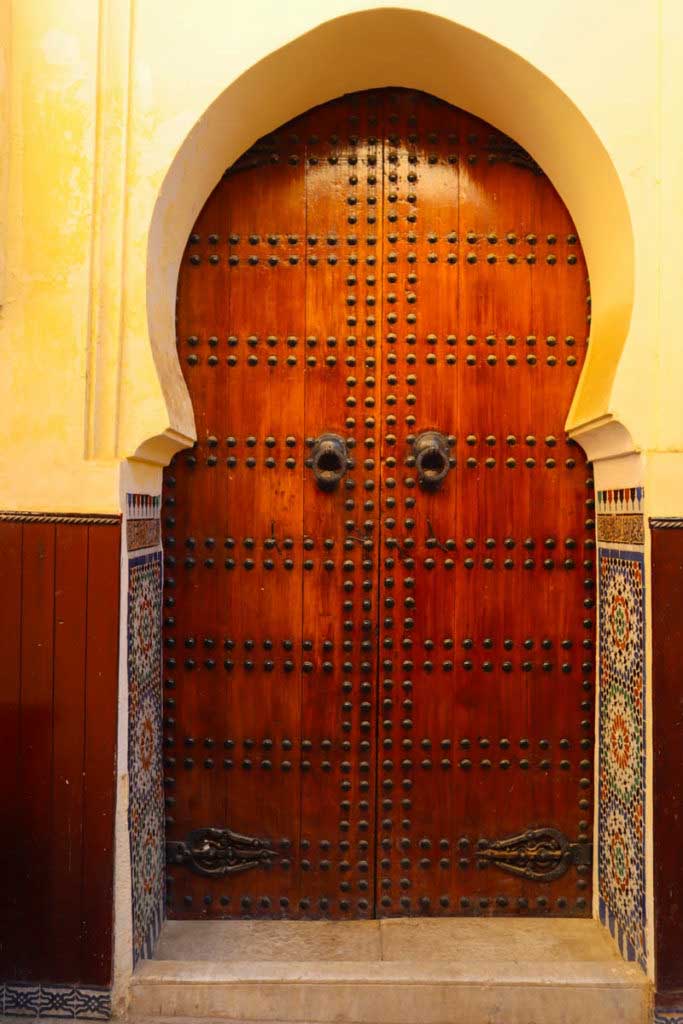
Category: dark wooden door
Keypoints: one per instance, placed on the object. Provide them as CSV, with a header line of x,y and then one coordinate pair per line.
x,y
379,693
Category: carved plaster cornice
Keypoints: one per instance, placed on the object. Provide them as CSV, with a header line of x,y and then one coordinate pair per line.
x,y
604,437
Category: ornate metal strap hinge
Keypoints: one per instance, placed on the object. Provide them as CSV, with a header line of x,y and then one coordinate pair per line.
x,y
219,851
539,854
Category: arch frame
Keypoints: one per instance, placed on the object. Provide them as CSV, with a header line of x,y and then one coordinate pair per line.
x,y
411,49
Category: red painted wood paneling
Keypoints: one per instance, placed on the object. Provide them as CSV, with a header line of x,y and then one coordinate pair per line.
x,y
10,735
59,623
100,753
667,699
71,580
35,751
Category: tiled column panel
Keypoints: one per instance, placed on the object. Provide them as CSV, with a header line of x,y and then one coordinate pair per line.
x,y
622,732
146,795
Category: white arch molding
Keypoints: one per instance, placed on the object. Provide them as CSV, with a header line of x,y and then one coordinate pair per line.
x,y
413,49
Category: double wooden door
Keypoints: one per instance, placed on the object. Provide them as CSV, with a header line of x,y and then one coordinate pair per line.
x,y
379,553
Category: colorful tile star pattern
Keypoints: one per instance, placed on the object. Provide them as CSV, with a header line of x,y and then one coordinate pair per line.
x,y
621,810
146,806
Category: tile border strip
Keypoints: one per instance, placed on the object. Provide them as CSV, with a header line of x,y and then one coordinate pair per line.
x,y
610,921
62,518
143,506
26,999
620,500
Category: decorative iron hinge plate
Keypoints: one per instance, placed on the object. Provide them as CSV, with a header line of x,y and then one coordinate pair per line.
x,y
539,854
219,851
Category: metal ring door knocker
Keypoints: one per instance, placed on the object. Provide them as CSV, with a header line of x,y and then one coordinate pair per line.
x,y
432,458
329,460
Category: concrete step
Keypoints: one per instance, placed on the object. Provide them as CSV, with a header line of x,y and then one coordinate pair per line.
x,y
390,972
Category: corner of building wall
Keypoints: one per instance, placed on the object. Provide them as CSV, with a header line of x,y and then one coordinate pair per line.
x,y
623,832
650,909
656,475
123,921
605,440
156,452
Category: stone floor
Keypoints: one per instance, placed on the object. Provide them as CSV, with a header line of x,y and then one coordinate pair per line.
x,y
407,971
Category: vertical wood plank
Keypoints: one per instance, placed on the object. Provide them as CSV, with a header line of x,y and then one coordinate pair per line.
x,y
233,518
343,190
101,676
34,839
667,700
10,738
71,579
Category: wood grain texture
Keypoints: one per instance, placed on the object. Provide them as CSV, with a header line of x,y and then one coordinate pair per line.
x,y
70,608
378,677
99,763
60,609
12,938
667,701
37,737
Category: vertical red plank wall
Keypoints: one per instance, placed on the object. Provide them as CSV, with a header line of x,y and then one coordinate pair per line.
x,y
59,634
667,701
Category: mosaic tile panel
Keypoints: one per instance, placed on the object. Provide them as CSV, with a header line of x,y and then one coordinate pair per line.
x,y
621,528
143,525
57,1001
621,808
143,533
146,807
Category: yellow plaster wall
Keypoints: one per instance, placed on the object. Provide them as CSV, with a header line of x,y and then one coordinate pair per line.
x,y
45,312
102,97
4,136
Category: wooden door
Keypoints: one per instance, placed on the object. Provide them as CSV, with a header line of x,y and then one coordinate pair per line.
x,y
379,687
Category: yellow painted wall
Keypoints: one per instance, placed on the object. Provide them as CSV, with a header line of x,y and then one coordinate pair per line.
x,y
101,99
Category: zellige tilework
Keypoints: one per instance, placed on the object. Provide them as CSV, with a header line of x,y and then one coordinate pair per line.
x,y
621,811
146,798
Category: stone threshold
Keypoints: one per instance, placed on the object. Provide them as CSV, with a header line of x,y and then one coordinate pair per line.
x,y
400,971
